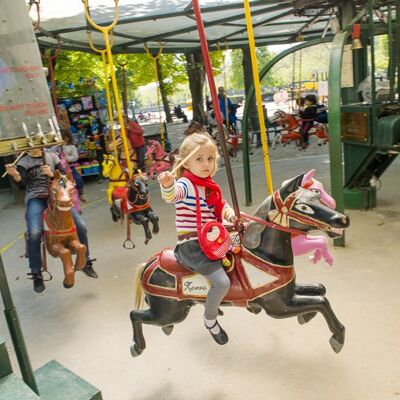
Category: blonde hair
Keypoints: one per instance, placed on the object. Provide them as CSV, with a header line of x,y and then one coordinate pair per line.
x,y
201,137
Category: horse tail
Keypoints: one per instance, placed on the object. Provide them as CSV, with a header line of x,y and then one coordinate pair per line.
x,y
138,296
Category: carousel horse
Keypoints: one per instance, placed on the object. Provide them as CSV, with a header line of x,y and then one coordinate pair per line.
x,y
318,244
159,159
59,228
262,274
133,200
233,141
112,170
291,129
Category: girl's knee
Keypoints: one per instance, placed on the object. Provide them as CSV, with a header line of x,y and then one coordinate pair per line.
x,y
224,283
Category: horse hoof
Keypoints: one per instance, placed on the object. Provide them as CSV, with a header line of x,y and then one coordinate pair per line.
x,y
335,344
254,310
135,351
168,329
68,285
304,318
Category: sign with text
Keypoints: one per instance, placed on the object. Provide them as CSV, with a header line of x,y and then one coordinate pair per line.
x,y
25,103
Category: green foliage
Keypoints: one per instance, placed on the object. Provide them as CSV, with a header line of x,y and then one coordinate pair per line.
x,y
381,54
78,69
264,55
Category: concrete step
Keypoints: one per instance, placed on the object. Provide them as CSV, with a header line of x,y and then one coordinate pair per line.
x,y
5,364
58,383
14,388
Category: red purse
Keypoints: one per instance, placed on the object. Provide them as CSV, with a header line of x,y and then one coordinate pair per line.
x,y
214,239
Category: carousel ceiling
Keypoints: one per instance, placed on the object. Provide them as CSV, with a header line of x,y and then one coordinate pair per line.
x,y
171,23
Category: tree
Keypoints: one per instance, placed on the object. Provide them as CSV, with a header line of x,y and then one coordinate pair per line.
x,y
196,73
263,57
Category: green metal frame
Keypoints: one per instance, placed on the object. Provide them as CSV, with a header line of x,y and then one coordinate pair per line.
x,y
264,71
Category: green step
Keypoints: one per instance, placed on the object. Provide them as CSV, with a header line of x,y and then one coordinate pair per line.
x,y
58,383
5,364
14,388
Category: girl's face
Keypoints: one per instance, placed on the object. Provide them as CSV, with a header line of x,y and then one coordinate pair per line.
x,y
307,102
202,164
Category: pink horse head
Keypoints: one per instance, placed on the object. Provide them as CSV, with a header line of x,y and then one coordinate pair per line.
x,y
162,161
317,244
312,184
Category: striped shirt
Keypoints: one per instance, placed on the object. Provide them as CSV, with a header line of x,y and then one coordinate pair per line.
x,y
182,193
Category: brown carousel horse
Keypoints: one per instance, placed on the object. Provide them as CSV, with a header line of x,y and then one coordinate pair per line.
x,y
59,228
262,274
133,200
291,129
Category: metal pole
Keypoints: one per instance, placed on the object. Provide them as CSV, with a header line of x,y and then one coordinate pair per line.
x,y
213,91
16,331
256,80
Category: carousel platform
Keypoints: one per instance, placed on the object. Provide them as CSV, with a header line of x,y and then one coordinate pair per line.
x,y
87,328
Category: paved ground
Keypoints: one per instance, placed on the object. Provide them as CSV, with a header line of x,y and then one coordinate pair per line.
x,y
87,328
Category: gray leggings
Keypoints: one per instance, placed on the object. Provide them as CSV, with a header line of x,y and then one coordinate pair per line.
x,y
190,255
220,285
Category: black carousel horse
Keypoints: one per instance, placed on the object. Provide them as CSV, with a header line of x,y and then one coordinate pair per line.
x,y
262,274
133,200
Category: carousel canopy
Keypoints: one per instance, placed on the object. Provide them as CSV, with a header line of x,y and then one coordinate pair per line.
x,y
171,23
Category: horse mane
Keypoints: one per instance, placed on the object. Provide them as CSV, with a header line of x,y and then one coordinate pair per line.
x,y
252,236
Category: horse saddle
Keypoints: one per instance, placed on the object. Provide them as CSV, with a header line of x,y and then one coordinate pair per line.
x,y
250,277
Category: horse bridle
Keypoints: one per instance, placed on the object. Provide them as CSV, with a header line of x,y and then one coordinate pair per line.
x,y
281,216
284,212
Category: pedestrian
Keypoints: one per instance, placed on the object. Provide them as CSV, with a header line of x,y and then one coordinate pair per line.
x,y
136,138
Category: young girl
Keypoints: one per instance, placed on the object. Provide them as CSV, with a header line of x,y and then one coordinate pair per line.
x,y
307,116
198,171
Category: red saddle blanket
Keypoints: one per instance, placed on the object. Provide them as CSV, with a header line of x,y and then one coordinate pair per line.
x,y
250,277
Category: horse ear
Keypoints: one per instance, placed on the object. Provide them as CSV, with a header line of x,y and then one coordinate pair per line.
x,y
70,177
308,177
57,174
291,186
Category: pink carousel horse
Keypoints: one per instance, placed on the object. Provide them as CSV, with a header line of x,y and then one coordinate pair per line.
x,y
161,160
303,244
291,129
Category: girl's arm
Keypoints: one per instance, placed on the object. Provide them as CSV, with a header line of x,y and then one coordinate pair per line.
x,y
171,190
228,213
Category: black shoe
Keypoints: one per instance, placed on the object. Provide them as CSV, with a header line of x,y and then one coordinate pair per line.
x,y
38,284
88,269
115,213
221,337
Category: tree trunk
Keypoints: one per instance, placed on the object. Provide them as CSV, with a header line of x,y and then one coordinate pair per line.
x,y
164,97
196,74
248,82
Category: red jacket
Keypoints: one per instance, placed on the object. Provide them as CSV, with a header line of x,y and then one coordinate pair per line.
x,y
135,134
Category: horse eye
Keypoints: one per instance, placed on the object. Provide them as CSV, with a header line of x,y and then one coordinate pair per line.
x,y
316,191
304,208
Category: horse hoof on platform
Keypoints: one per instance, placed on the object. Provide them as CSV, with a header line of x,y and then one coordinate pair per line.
x,y
335,344
168,329
254,310
135,351
304,318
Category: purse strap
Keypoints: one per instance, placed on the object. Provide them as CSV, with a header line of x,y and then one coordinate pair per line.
x,y
198,209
